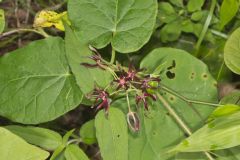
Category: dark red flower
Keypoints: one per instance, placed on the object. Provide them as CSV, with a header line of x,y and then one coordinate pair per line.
x,y
132,73
102,99
143,97
122,82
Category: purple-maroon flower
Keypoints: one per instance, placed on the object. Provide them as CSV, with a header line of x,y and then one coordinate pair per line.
x,y
122,82
102,99
143,97
131,74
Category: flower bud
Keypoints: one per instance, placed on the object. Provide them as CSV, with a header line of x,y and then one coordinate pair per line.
x,y
133,121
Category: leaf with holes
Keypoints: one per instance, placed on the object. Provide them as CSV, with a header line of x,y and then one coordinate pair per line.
x,y
36,84
126,24
185,75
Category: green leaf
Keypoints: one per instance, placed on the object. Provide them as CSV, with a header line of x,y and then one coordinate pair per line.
x,y
15,148
36,84
67,136
126,24
58,152
73,152
195,5
178,3
190,78
233,98
88,133
41,137
228,10
222,133
2,20
77,53
171,31
111,134
197,16
166,12
224,111
232,52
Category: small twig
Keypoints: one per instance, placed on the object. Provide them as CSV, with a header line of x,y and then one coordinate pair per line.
x,y
19,30
179,120
17,21
28,11
56,7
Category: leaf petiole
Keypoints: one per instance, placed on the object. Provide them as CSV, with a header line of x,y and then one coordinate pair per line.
x,y
186,99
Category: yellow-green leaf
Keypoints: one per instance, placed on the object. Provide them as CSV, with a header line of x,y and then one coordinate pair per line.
x,y
224,111
51,19
15,148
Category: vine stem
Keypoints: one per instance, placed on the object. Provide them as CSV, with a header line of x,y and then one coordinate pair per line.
x,y
180,122
188,100
113,56
40,32
205,27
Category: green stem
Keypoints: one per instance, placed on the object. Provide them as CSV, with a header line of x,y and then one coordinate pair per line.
x,y
79,140
128,102
220,71
113,56
205,27
186,99
180,122
219,34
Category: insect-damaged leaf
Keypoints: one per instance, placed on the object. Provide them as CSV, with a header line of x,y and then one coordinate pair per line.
x,y
36,84
158,129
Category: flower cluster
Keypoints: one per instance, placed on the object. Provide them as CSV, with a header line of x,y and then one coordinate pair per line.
x,y
142,86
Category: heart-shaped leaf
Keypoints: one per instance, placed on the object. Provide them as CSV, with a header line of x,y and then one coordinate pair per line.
x,y
36,84
126,24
